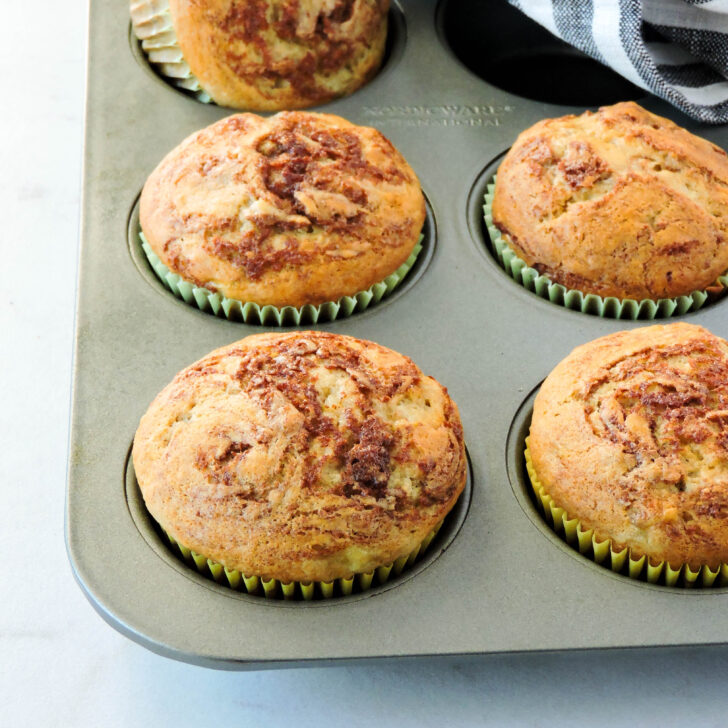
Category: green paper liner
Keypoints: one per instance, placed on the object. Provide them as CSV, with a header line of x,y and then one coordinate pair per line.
x,y
591,303
296,590
152,23
626,562
252,313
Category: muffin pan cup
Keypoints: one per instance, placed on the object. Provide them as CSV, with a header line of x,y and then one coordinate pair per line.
x,y
158,41
305,590
602,551
619,308
252,313
497,578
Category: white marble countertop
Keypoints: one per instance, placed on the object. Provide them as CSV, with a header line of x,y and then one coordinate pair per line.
x,y
60,664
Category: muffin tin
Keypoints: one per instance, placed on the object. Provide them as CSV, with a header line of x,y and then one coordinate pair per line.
x,y
497,579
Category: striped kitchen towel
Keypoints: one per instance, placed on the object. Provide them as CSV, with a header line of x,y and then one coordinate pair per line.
x,y
677,49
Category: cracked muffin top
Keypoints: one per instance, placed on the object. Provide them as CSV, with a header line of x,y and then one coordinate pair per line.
x,y
630,435
298,208
303,456
619,203
266,55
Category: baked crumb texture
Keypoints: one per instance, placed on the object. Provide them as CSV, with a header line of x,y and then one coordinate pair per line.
x,y
267,55
294,209
619,203
303,457
630,436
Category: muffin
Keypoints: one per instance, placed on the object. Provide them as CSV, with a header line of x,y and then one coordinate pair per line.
x,y
630,438
618,203
264,55
301,457
294,209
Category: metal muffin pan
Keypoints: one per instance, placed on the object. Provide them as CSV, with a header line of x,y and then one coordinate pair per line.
x,y
497,580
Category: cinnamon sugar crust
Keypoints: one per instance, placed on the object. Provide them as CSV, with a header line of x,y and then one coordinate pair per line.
x,y
266,55
298,208
620,202
303,456
630,435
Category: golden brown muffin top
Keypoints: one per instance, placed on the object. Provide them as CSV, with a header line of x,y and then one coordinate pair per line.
x,y
630,435
292,209
266,55
303,456
620,202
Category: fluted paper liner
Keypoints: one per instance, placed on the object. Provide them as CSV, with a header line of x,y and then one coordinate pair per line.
x,y
307,591
591,303
152,23
252,313
603,552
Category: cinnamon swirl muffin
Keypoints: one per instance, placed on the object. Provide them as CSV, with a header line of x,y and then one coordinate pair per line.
x,y
301,457
619,203
298,208
630,436
264,55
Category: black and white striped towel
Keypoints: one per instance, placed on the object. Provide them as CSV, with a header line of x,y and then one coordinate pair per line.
x,y
677,49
